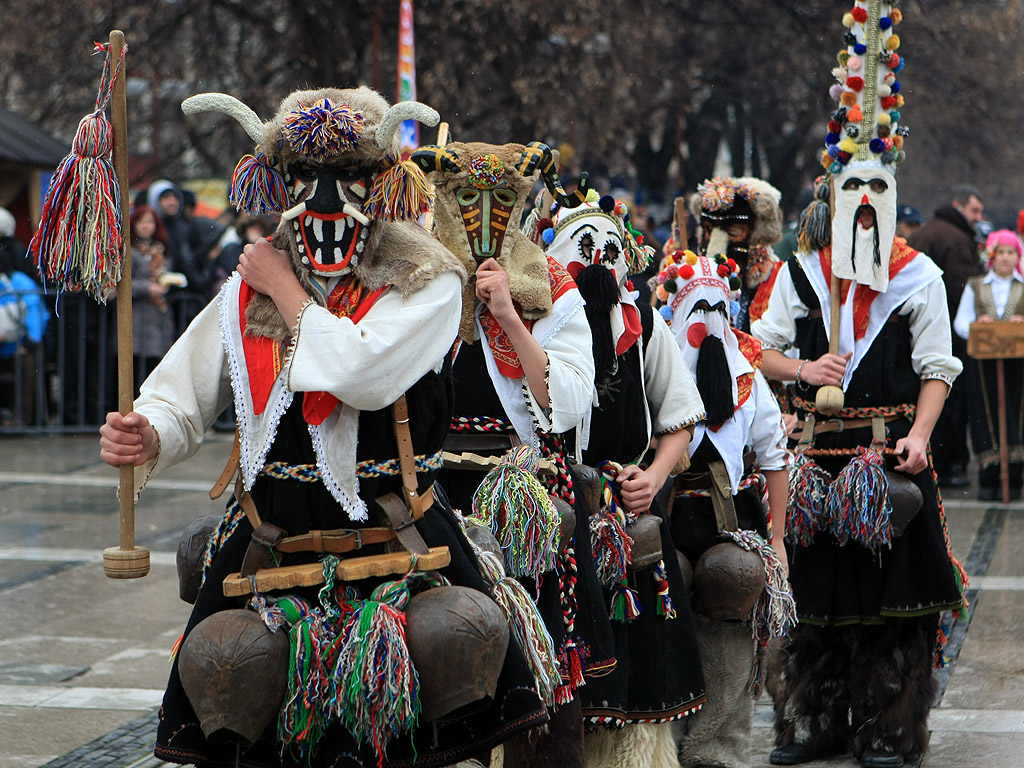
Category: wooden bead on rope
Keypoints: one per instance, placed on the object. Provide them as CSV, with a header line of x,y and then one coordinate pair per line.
x,y
829,400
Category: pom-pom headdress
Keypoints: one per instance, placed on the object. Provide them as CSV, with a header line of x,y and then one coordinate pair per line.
x,y
80,241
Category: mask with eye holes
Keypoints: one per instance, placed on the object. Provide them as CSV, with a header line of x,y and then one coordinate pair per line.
x,y
864,223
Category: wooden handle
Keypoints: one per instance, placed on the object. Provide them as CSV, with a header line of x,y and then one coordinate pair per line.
x,y
126,561
830,398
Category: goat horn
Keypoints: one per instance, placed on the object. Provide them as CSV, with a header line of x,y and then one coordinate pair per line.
x,y
228,105
398,114
432,158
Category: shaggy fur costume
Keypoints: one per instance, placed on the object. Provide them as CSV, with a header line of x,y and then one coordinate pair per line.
x,y
638,745
719,734
858,687
523,260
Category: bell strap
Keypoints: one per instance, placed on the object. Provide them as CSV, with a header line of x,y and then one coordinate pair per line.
x,y
336,541
234,462
416,503
840,425
721,497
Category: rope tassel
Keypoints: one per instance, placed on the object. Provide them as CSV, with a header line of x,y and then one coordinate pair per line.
x,y
808,490
79,244
257,188
858,505
515,505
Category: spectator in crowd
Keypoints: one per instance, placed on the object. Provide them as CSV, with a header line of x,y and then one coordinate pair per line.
x,y
168,200
908,221
204,235
152,264
23,320
949,239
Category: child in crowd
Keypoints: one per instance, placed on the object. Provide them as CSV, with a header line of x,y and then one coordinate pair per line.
x,y
995,296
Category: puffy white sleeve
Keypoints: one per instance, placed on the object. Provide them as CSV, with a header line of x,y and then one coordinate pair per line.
x,y
776,328
370,364
965,313
186,392
671,391
930,336
570,376
767,434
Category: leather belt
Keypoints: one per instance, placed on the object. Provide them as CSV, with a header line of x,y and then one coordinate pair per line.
x,y
841,425
474,442
335,541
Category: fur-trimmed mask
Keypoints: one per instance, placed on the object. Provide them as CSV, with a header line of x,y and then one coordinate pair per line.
x,y
329,163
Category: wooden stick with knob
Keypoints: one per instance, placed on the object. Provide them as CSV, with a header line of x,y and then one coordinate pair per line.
x,y
830,398
126,561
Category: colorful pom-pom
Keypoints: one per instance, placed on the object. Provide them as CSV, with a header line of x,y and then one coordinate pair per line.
x,y
899,100
888,102
855,115
666,313
723,270
893,43
855,83
884,23
848,99
832,138
835,167
734,306
672,271
733,267
686,271
895,115
734,283
834,126
257,188
670,285
606,203
884,90
860,15
842,57
894,61
860,49
896,15
835,92
897,142
844,156
323,129
888,143
895,87
854,63
848,145
877,146
832,152
691,258
399,193
849,38
548,236
848,20
661,293
884,118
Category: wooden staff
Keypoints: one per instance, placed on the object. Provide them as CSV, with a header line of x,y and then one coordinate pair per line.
x,y
830,398
126,561
442,139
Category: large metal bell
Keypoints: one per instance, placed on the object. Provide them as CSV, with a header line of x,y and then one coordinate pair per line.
x,y
906,499
483,538
686,568
566,521
235,673
588,482
645,531
727,581
192,548
457,639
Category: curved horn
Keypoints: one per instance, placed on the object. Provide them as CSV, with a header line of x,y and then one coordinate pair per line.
x,y
398,114
537,157
432,158
228,105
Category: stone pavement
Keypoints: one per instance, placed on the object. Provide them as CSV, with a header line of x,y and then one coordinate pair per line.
x,y
83,658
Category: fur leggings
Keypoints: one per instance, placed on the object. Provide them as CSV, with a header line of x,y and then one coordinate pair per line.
x,y
858,687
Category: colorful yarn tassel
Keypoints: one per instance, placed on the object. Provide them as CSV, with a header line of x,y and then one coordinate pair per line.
x,y
571,660
808,489
399,193
774,613
526,624
858,505
80,243
625,602
376,690
257,188
611,545
660,576
515,505
323,129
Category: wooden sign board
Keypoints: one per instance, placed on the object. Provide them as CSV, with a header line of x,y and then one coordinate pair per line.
x,y
992,341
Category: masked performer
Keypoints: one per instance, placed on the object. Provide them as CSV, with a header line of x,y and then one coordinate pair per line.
x,y
719,521
741,218
871,567
524,374
350,307
644,391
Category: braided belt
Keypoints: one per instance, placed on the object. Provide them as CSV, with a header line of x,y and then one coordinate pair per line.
x,y
308,473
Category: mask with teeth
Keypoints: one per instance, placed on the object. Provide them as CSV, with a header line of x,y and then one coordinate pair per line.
x,y
328,224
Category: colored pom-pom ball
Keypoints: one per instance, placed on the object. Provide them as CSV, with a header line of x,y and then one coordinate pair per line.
x,y
889,157
691,259
733,267
884,90
832,152
894,61
606,203
734,307
849,38
897,142
848,20
666,313
855,83
884,118
855,115
548,236
889,78
834,126
895,87
671,286
896,15
848,145
672,270
734,283
893,43
888,143
860,15
895,115
854,63
835,92
832,139
848,99
662,277
888,102
899,100
860,49
620,208
883,130
723,270
686,271
884,23
852,131
844,156
835,167
877,146
661,293
842,57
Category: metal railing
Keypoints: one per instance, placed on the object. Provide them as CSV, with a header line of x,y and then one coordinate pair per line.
x,y
68,382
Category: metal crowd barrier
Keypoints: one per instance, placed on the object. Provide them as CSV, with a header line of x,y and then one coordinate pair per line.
x,y
68,382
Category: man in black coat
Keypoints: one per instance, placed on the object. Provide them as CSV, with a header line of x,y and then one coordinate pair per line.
x,y
949,240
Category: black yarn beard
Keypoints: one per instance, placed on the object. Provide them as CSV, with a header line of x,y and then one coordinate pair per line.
x,y
601,292
878,252
714,381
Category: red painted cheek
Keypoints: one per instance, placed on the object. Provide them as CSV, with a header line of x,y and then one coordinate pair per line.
x,y
696,334
574,268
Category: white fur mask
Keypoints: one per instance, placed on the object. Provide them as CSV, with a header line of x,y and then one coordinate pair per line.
x,y
859,254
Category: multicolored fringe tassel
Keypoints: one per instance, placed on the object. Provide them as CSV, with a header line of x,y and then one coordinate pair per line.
x,y
80,243
516,507
525,622
612,547
399,193
323,129
571,657
625,603
257,188
808,489
774,613
858,505
660,576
